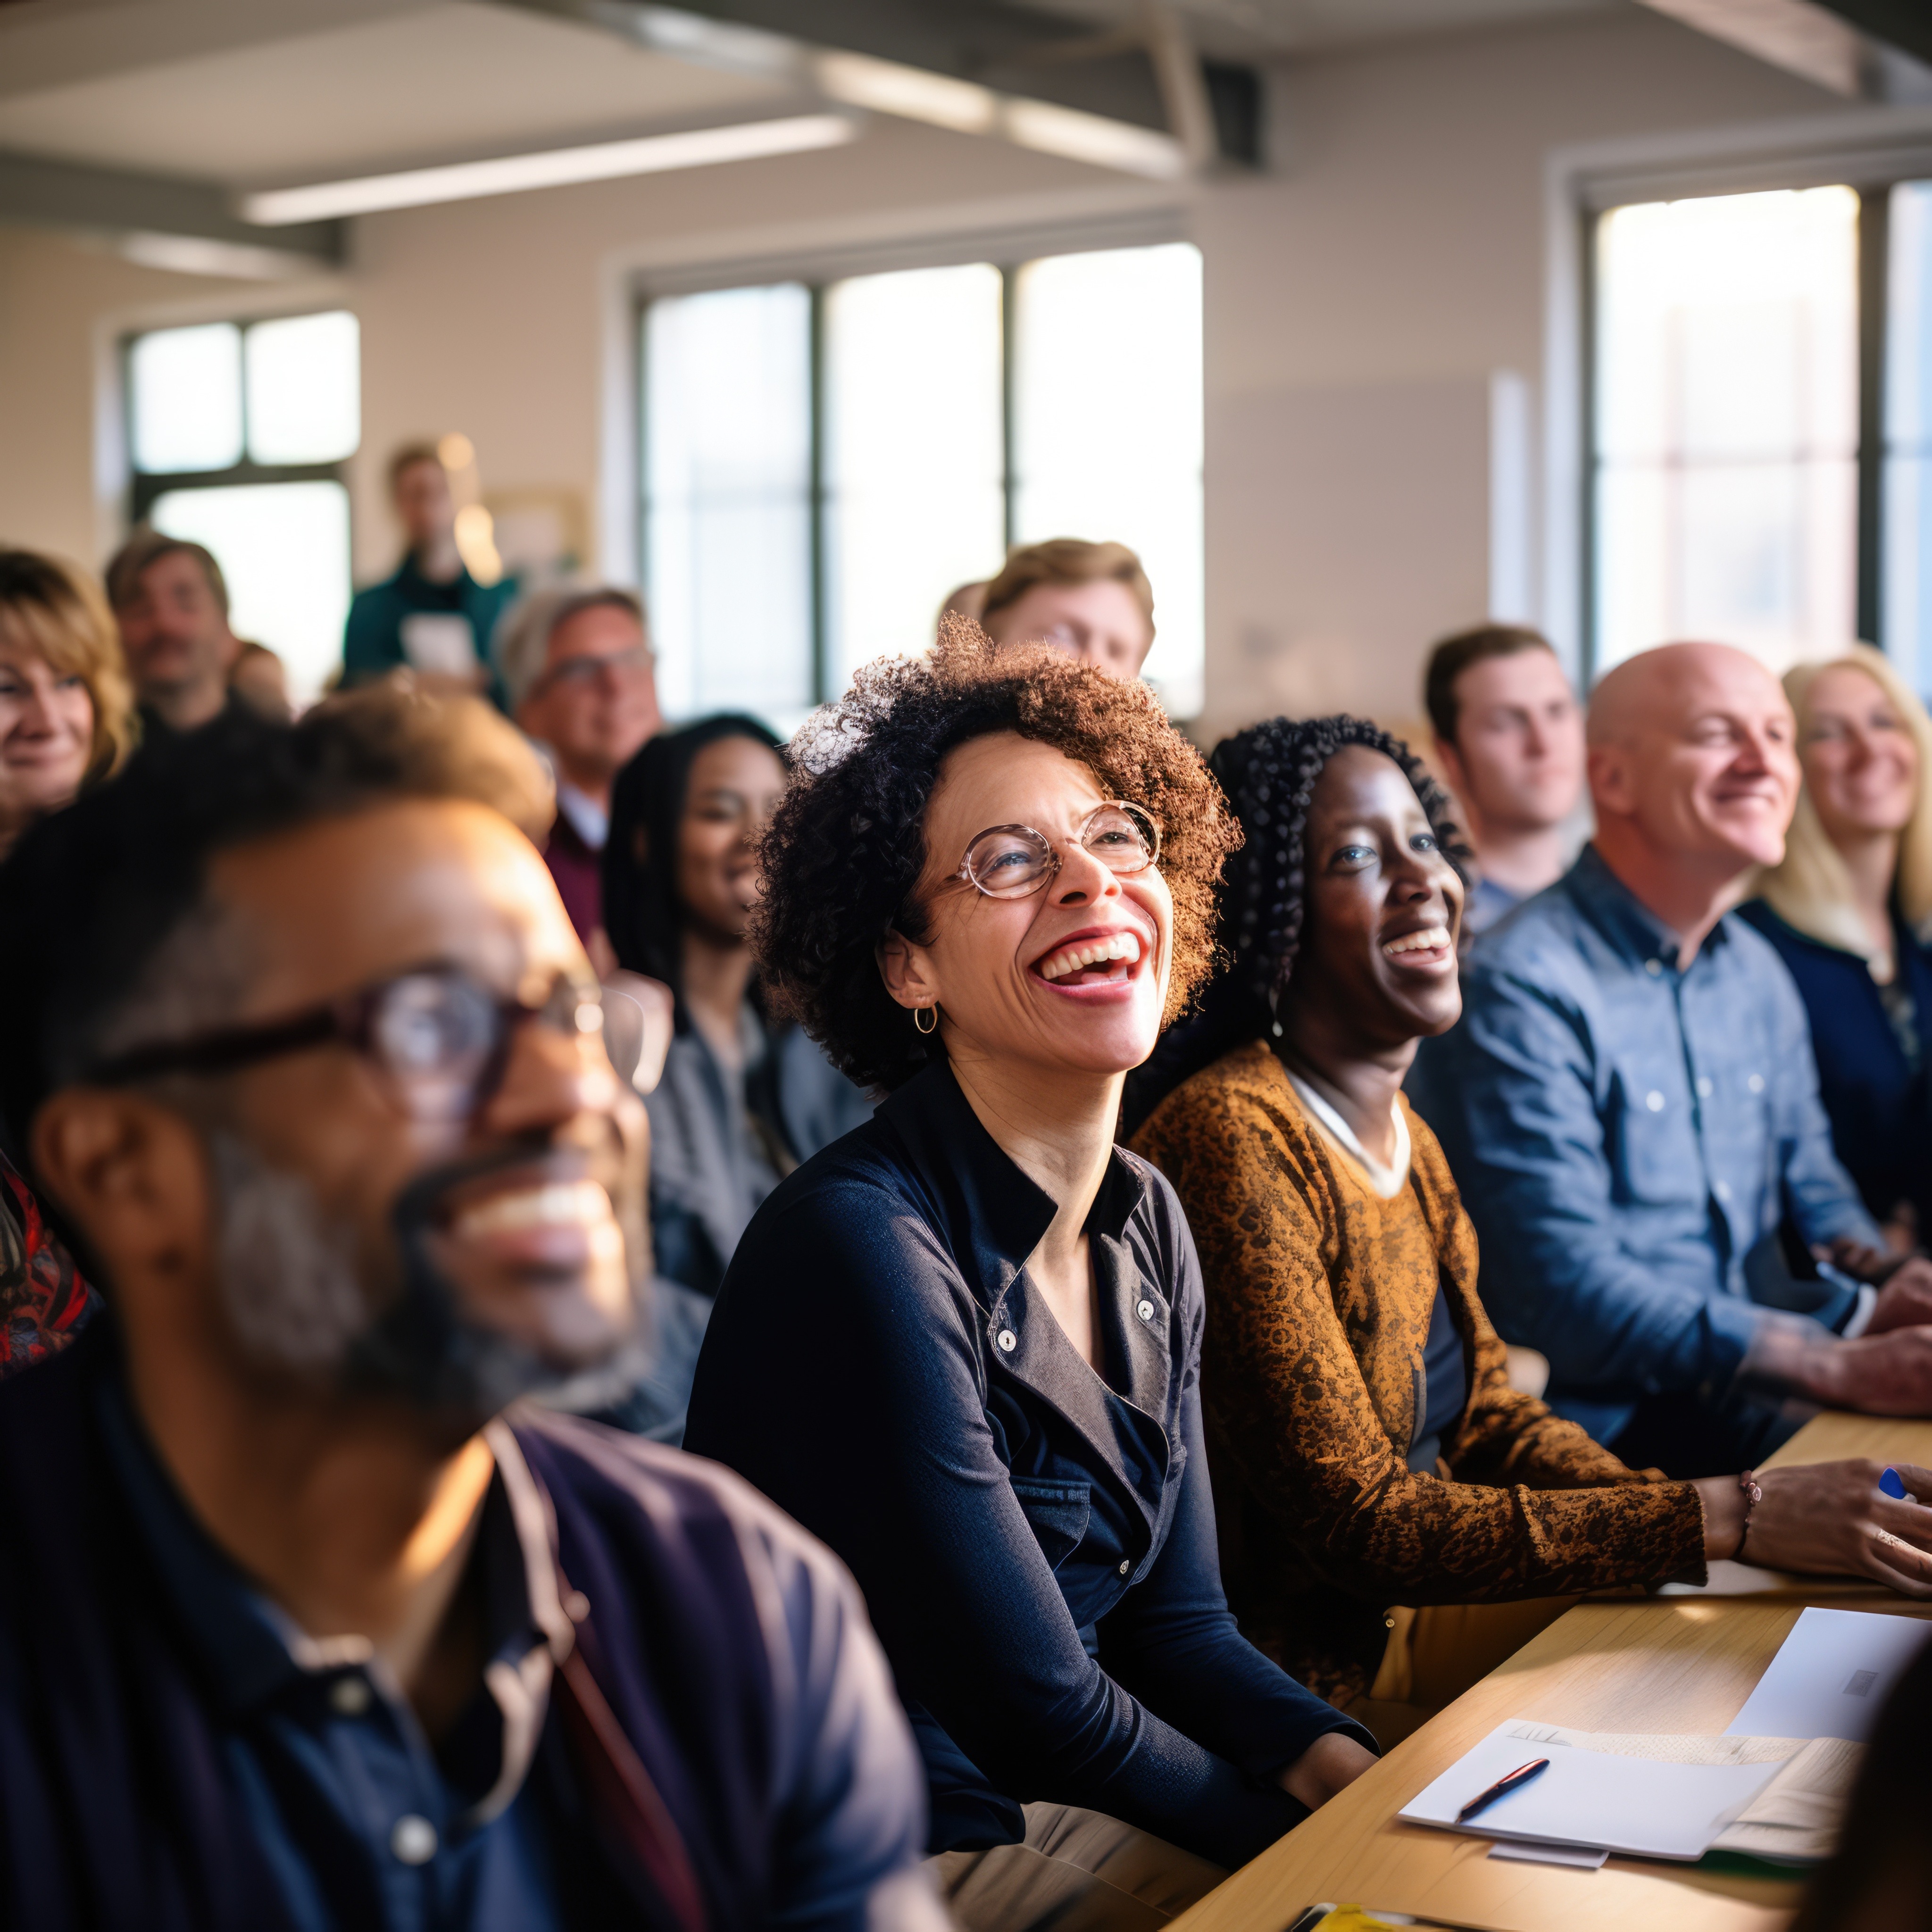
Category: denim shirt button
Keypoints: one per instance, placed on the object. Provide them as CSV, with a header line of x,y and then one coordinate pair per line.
x,y
1756,1083
1144,1309
1653,967
1008,1341
1722,1190
1654,1100
1704,1089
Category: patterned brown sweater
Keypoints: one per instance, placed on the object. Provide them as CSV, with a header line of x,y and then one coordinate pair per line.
x,y
1319,1294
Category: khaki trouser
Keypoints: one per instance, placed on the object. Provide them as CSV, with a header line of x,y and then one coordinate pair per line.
x,y
1076,1871
1435,1654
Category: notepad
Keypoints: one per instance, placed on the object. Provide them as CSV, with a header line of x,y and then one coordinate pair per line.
x,y
1654,1797
1832,1675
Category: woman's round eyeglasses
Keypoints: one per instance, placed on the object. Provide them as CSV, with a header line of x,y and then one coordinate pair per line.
x,y
1007,862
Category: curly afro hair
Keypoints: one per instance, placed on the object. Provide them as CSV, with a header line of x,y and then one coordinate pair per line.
x,y
1269,773
846,847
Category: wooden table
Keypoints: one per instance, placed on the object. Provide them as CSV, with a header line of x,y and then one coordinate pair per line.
x,y
1660,1664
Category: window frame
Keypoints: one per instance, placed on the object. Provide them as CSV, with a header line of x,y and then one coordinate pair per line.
x,y
1872,181
1007,250
144,486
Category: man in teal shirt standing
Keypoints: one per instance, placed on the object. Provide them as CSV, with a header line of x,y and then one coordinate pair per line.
x,y
432,615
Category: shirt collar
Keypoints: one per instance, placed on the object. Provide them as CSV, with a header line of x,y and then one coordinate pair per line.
x,y
993,1211
588,819
1623,919
251,1650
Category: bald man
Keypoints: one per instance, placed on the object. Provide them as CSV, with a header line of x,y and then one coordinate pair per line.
x,y
1630,1106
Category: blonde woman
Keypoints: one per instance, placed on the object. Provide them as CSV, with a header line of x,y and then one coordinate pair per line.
x,y
66,716
1850,912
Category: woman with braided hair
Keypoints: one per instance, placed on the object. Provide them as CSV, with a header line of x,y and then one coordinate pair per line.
x,y
1368,1451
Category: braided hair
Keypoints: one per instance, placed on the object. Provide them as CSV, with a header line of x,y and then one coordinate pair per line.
x,y
1269,773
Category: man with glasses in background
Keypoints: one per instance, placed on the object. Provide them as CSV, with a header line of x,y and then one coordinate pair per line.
x,y
298,1629
578,666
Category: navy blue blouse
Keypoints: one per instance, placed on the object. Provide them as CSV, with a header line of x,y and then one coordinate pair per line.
x,y
1035,1544
1876,1095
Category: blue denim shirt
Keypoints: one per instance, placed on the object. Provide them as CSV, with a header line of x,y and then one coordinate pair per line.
x,y
1624,1132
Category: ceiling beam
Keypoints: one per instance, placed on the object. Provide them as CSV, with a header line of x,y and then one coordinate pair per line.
x,y
165,222
1146,77
1905,25
1861,50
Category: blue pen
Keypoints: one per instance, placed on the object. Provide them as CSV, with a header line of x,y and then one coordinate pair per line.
x,y
1893,1485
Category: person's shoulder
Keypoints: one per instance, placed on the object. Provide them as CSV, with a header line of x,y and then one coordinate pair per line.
x,y
864,1173
1242,1088
856,1217
690,1516
1547,948
1762,939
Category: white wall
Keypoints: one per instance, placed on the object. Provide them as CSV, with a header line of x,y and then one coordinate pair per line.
x,y
1360,299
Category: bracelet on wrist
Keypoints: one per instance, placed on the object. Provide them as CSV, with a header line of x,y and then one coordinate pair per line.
x,y
1753,1495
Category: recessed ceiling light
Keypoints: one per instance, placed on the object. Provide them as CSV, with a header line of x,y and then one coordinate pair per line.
x,y
553,167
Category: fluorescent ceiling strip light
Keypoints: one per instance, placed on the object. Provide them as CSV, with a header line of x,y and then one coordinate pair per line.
x,y
860,81
556,167
888,87
1091,138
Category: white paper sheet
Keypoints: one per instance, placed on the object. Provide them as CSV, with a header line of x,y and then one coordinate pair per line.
x,y
1832,1675
441,641
1636,1805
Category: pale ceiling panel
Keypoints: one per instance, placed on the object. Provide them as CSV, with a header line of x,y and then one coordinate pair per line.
x,y
449,79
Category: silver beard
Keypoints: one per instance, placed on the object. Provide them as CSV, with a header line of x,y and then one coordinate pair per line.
x,y
288,1277
289,1285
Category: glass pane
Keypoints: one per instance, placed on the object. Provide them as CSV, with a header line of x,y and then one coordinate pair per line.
x,y
1726,424
1906,616
185,398
1108,427
915,500
727,390
284,549
304,388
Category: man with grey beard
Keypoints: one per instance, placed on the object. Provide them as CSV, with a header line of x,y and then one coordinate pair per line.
x,y
299,1628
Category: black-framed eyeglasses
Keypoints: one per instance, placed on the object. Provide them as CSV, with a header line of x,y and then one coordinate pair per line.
x,y
1007,862
440,1039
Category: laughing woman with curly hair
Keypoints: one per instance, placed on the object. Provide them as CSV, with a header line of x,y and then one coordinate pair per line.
x,y
1397,1518
961,1345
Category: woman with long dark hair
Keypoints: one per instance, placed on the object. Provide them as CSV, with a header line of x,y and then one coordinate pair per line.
x,y
742,1099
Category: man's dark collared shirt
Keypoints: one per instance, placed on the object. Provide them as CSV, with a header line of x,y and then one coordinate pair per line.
x,y
333,1768
1036,1543
175,1756
1623,1132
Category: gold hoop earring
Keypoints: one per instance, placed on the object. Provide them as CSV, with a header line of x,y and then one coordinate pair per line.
x,y
923,1012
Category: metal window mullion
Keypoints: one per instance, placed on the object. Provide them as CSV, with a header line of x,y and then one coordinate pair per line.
x,y
1010,481
1874,294
1590,509
818,522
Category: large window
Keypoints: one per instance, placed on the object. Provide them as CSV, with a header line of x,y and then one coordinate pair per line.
x,y
237,434
825,462
1761,423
